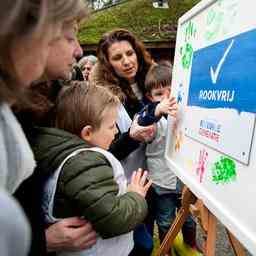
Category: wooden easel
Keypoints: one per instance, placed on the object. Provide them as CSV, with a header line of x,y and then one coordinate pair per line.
x,y
208,221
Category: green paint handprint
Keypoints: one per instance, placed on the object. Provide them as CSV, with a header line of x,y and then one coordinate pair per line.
x,y
186,50
190,31
213,23
224,171
187,53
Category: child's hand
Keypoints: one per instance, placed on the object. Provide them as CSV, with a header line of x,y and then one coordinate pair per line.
x,y
167,106
139,183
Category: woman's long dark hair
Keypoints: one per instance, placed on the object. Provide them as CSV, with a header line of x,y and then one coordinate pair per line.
x,y
144,61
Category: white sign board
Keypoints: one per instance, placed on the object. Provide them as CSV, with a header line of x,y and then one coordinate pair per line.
x,y
212,148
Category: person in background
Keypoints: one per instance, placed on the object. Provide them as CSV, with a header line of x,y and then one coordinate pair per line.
x,y
122,65
27,30
90,181
86,64
71,233
166,188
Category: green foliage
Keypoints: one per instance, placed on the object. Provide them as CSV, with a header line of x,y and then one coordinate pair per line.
x,y
140,17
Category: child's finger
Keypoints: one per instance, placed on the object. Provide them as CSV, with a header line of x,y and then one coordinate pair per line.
x,y
173,113
133,176
173,106
172,99
147,186
143,178
173,110
137,177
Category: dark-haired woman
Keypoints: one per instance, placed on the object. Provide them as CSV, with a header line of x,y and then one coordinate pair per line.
x,y
123,63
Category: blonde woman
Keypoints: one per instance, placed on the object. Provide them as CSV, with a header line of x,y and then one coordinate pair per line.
x,y
70,234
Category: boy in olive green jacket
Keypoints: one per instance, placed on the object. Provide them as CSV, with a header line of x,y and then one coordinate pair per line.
x,y
88,181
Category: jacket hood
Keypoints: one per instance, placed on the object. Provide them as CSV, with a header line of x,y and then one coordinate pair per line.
x,y
51,146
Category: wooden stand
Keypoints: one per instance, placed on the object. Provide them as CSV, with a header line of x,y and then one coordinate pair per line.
x,y
207,220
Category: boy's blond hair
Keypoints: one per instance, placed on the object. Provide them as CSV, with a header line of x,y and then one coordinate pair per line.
x,y
82,104
159,75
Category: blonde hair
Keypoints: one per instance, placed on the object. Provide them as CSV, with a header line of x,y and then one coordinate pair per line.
x,y
82,104
20,18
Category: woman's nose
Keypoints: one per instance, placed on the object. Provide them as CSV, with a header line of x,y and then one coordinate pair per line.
x,y
126,60
78,52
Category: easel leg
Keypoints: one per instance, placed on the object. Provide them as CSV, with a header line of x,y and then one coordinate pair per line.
x,y
237,247
172,233
187,199
211,235
208,222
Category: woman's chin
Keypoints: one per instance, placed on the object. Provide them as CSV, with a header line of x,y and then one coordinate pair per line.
x,y
131,78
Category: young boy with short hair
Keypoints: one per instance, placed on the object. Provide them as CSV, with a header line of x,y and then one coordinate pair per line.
x,y
166,189
90,181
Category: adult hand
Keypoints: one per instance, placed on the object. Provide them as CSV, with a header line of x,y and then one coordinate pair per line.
x,y
70,234
142,133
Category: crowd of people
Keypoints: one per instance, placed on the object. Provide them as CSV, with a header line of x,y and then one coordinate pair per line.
x,y
82,169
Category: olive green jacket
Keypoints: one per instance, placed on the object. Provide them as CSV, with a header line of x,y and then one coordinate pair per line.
x,y
86,186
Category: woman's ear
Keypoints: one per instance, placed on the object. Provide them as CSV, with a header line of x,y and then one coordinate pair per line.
x,y
86,133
